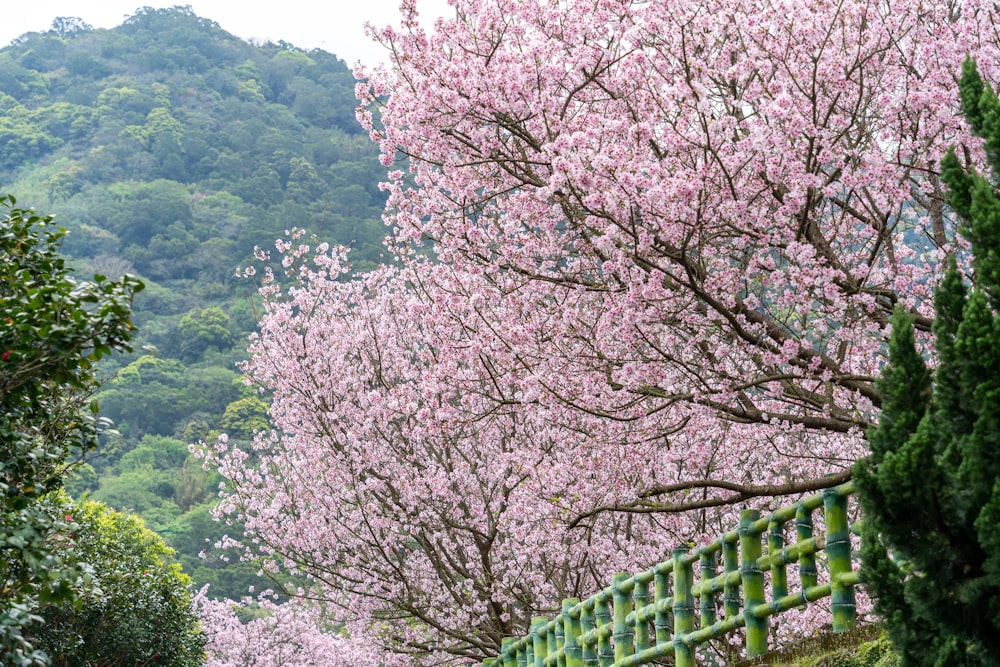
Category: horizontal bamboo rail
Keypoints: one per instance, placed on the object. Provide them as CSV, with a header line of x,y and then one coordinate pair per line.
x,y
624,625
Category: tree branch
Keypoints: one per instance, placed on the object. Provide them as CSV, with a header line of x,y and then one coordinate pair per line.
x,y
642,504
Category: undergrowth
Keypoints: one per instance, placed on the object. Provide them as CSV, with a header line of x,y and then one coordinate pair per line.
x,y
865,646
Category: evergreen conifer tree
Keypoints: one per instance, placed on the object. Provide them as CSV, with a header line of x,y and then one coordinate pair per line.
x,y
930,491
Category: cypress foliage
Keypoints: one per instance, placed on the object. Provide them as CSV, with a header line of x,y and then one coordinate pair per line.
x,y
930,491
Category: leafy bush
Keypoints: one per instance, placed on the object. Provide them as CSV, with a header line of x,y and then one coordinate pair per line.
x,y
53,328
139,612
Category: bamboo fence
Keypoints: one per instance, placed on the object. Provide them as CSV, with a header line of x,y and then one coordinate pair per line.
x,y
627,624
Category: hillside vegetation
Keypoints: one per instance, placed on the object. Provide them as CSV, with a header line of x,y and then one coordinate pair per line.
x,y
169,149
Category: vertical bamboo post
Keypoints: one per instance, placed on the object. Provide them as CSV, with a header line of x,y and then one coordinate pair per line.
x,y
641,598
730,591
538,643
803,532
753,584
587,624
572,630
621,598
661,592
560,636
506,655
706,603
779,575
551,641
605,653
838,553
683,609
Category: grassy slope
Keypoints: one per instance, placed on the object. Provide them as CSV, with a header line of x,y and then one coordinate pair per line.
x,y
866,646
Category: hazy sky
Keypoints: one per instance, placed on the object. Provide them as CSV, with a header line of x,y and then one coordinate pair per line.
x,y
333,25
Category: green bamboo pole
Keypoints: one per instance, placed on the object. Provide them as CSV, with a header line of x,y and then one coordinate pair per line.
x,y
571,631
706,602
506,654
551,642
683,609
838,553
588,623
621,599
539,645
605,652
803,532
730,590
641,597
795,600
560,635
753,584
779,575
661,593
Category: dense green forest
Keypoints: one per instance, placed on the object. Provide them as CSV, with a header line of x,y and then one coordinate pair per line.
x,y
169,149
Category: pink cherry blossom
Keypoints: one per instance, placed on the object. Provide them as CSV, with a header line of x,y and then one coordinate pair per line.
x,y
293,634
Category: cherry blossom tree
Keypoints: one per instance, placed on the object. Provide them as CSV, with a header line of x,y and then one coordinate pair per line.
x,y
276,635
417,494
648,253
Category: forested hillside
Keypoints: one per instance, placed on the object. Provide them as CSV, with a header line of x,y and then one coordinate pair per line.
x,y
169,149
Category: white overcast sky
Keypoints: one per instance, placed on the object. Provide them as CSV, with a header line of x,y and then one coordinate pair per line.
x,y
332,25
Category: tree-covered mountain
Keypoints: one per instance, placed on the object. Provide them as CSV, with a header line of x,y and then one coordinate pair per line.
x,y
169,149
